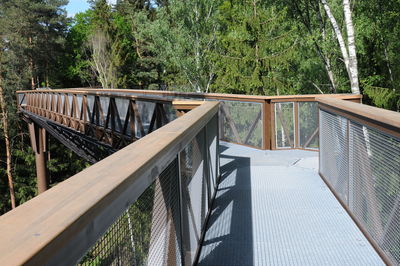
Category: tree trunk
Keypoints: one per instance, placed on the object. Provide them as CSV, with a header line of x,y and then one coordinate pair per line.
x,y
4,114
349,51
31,66
353,65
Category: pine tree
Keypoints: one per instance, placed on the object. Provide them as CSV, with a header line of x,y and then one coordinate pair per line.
x,y
257,47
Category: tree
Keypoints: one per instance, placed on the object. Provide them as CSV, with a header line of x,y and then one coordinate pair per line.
x,y
6,132
348,50
308,13
257,48
102,59
182,36
378,25
75,61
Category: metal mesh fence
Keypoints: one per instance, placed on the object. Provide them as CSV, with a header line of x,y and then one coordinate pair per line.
x,y
334,152
241,122
165,225
375,185
308,125
145,234
284,125
362,165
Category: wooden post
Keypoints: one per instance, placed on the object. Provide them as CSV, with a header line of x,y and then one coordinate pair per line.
x,y
273,130
296,119
38,142
266,125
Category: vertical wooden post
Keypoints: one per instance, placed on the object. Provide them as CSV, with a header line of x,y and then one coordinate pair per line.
x,y
38,142
296,143
266,125
273,130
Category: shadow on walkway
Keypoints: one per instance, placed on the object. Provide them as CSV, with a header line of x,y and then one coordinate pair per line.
x,y
229,239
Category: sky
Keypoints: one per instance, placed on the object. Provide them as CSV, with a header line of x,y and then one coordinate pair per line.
x,y
76,6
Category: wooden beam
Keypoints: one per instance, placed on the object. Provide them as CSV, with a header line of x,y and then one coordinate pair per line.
x,y
69,218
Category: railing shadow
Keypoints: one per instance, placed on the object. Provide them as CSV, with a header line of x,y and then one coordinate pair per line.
x,y
229,239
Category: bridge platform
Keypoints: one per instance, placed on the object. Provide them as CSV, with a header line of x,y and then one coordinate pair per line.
x,y
272,208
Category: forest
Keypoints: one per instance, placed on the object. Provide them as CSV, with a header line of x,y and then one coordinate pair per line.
x,y
268,47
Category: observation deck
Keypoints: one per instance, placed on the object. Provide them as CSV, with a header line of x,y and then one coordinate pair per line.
x,y
210,179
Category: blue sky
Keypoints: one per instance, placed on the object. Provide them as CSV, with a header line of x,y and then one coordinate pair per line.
x,y
76,6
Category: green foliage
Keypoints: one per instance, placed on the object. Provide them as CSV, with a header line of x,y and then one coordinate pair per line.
x,y
182,36
76,60
257,47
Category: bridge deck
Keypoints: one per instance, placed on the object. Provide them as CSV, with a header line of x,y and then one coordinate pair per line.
x,y
272,208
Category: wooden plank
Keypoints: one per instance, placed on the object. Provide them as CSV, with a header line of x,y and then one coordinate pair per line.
x,y
185,105
68,218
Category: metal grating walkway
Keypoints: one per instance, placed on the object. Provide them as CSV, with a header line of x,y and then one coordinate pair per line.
x,y
272,208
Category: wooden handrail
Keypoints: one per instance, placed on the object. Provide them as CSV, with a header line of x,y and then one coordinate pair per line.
x,y
214,96
61,222
385,120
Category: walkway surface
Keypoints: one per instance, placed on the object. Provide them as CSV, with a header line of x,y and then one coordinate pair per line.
x,y
272,208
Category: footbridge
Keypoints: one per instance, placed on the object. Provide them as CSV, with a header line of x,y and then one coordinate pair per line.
x,y
210,179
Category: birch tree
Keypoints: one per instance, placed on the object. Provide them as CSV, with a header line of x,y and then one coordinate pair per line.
x,y
183,36
102,59
348,49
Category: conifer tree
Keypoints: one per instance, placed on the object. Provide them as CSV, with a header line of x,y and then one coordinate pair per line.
x,y
257,47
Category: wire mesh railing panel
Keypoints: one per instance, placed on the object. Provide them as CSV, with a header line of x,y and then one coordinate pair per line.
x,y
308,125
146,233
194,195
212,150
375,186
284,125
241,122
90,104
79,100
146,111
334,152
122,106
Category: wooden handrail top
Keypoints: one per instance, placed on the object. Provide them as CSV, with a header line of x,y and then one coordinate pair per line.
x,y
186,105
361,112
215,96
101,94
71,212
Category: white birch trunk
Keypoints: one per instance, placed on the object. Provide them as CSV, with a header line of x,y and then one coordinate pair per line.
x,y
353,65
348,51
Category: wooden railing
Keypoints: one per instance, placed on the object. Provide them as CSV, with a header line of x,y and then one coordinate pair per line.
x,y
58,227
360,162
264,122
